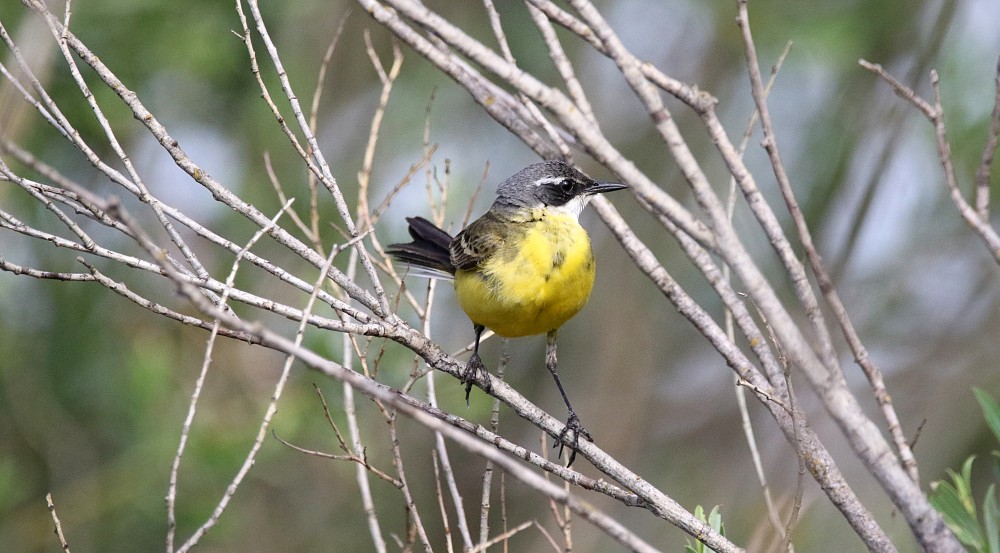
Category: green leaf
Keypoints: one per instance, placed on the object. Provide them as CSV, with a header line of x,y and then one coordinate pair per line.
x,y
714,520
991,411
964,486
991,519
953,501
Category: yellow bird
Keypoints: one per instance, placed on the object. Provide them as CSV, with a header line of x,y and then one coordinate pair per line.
x,y
524,268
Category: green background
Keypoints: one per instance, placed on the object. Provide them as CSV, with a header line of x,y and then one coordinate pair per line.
x,y
93,389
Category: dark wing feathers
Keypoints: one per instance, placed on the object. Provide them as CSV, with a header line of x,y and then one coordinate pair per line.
x,y
430,246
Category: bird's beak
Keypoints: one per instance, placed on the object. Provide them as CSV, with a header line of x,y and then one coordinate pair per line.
x,y
602,187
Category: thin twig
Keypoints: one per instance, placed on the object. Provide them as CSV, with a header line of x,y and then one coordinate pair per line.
x,y
740,384
983,172
382,307
382,475
193,408
484,545
55,521
445,527
484,504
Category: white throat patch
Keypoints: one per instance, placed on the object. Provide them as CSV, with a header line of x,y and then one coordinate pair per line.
x,y
572,207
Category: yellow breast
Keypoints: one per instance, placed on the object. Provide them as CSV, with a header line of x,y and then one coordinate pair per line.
x,y
535,282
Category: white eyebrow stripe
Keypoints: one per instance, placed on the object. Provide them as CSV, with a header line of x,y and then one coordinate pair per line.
x,y
548,180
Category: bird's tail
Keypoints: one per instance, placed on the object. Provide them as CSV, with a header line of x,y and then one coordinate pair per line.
x,y
429,254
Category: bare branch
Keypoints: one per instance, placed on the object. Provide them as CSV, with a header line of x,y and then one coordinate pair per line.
x,y
934,113
55,520
989,150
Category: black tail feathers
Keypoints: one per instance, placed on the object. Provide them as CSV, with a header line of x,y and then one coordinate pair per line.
x,y
429,249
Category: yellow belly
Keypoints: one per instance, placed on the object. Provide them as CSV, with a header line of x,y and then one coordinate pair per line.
x,y
533,285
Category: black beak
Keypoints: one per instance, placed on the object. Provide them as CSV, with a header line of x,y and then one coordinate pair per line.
x,y
602,187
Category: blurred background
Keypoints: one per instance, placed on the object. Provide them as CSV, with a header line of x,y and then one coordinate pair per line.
x,y
93,389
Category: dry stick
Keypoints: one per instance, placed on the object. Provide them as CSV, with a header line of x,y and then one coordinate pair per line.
x,y
935,115
42,193
350,456
483,545
440,445
350,407
558,56
55,521
446,528
816,263
85,240
607,524
569,22
425,315
171,146
122,290
372,329
43,275
704,104
262,431
55,116
314,116
387,79
171,497
343,445
382,309
536,114
862,434
698,100
279,190
199,175
98,206
573,477
730,246
786,531
31,100
986,161
61,39
484,506
350,412
376,214
820,462
397,458
741,401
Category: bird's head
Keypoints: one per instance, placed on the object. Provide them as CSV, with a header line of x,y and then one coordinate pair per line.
x,y
553,185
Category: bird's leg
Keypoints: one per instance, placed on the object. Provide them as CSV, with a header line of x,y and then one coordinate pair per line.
x,y
573,424
475,368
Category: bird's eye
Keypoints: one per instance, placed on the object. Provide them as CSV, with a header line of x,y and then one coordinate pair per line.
x,y
566,185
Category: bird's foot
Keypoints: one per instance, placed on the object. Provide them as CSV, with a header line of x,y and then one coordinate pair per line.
x,y
570,436
475,371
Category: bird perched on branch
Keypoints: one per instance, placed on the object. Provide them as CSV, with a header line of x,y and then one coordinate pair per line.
x,y
524,268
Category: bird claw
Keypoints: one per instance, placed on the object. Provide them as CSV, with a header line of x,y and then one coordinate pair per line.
x,y
574,426
474,371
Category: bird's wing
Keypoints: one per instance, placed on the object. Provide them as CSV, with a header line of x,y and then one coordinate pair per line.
x,y
476,243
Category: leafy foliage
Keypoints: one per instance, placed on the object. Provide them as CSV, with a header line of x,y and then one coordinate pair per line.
x,y
714,520
955,499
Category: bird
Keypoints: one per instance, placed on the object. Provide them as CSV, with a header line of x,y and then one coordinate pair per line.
x,y
523,268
